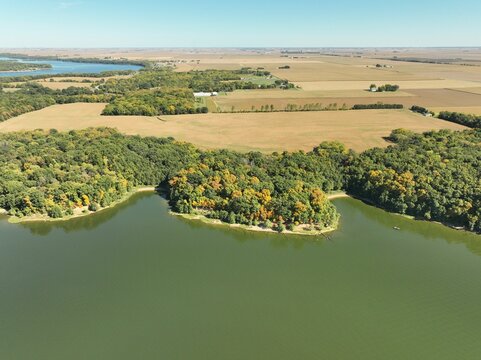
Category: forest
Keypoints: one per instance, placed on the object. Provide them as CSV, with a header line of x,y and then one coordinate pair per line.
x,y
55,173
279,191
432,176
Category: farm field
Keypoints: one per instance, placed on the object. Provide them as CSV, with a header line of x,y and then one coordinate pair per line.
x,y
414,84
476,110
245,100
473,90
264,132
60,85
325,76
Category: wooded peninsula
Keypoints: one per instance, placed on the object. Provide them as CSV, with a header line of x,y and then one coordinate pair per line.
x,y
432,176
7,65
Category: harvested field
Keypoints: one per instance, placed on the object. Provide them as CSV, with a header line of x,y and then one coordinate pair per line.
x,y
244,100
302,94
336,71
470,90
404,85
476,110
446,97
265,132
63,85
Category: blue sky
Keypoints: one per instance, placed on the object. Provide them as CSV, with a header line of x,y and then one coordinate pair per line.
x,y
242,23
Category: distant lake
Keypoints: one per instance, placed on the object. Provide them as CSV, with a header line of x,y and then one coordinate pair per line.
x,y
134,282
65,67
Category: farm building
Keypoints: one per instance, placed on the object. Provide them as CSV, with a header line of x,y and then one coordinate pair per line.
x,y
205,94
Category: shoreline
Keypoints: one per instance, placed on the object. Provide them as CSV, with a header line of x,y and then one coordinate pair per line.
x,y
25,70
81,212
337,195
300,229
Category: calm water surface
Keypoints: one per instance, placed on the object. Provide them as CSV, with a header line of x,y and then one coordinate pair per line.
x,y
63,67
136,283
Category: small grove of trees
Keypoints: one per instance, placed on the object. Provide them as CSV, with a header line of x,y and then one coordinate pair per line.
x,y
421,110
383,88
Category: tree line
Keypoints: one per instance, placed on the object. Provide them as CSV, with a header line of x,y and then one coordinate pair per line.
x,y
469,120
6,65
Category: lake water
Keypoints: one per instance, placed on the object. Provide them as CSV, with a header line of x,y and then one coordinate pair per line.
x,y
134,282
64,67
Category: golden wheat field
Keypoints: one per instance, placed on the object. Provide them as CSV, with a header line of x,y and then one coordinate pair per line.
x,y
264,132
476,110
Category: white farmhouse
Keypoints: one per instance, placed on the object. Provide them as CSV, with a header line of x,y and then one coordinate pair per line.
x,y
205,94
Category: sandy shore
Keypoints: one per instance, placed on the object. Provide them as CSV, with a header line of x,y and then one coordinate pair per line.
x,y
337,195
79,212
302,229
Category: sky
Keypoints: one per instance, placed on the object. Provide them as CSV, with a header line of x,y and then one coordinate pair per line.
x,y
242,23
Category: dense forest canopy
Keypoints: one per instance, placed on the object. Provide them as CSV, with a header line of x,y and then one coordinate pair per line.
x,y
56,173
434,176
283,189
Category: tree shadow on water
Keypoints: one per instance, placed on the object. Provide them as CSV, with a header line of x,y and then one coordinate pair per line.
x,y
87,222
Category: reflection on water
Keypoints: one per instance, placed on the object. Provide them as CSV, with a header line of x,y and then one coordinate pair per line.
x,y
89,222
428,230
134,282
244,236
355,208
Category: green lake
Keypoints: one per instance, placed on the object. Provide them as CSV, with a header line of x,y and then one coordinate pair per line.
x,y
134,282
